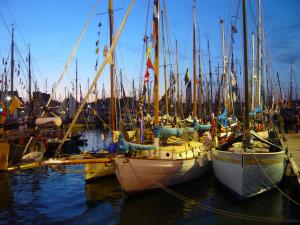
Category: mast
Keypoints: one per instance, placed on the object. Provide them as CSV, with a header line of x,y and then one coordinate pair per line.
x,y
29,80
178,82
291,83
156,64
165,67
112,83
281,96
253,75
194,61
12,64
76,87
224,80
259,40
210,77
246,113
200,81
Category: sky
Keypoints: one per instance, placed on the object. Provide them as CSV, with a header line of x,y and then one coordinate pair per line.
x,y
52,27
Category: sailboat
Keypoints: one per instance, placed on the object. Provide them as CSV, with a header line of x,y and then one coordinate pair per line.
x,y
148,167
250,167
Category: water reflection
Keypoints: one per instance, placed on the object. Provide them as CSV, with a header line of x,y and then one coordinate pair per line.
x,y
6,196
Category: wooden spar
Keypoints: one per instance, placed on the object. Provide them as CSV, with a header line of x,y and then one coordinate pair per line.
x,y
258,60
76,85
210,78
253,75
200,94
12,64
63,161
281,96
4,153
165,66
178,82
194,62
246,112
66,66
224,78
105,61
29,82
112,83
156,64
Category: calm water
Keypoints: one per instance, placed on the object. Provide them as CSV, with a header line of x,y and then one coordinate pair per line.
x,y
59,195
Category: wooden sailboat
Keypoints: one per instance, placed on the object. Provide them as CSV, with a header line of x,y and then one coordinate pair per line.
x,y
163,165
248,169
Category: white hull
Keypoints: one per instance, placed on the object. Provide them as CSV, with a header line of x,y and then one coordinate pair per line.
x,y
136,175
97,170
241,173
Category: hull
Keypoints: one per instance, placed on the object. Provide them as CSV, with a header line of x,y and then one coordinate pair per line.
x,y
98,170
241,173
137,175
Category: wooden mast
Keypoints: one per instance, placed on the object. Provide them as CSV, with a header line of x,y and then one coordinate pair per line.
x,y
210,77
194,61
12,64
259,40
200,94
29,81
112,82
224,78
165,66
281,96
156,64
178,82
253,75
76,83
246,112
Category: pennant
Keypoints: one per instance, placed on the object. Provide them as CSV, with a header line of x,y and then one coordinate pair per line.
x,y
97,43
149,64
187,76
100,24
233,29
16,102
148,52
233,81
97,51
146,76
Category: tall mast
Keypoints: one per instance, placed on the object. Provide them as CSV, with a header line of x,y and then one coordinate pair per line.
x,y
29,80
165,67
178,82
281,96
291,83
210,77
224,80
194,61
246,113
253,75
156,64
112,83
12,64
76,83
259,40
200,81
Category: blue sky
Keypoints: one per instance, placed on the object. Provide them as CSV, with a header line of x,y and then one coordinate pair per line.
x,y
52,28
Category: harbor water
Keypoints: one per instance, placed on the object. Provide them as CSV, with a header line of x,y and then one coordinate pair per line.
x,y
60,195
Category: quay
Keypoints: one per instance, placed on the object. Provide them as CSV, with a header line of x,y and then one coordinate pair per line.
x,y
293,142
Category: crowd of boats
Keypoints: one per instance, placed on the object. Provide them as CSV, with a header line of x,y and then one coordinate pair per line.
x,y
163,146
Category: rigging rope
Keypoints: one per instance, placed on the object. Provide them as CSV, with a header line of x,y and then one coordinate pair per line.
x,y
106,60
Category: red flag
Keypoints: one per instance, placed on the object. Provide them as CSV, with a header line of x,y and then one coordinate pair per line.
x,y
146,77
149,64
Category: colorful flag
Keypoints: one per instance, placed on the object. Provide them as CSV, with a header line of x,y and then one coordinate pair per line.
x,y
149,64
16,102
187,76
146,76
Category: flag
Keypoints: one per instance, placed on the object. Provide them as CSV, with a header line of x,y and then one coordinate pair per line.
x,y
146,76
148,52
149,64
187,76
15,103
233,29
233,81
